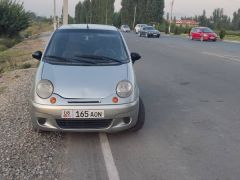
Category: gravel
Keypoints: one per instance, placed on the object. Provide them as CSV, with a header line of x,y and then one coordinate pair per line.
x,y
24,154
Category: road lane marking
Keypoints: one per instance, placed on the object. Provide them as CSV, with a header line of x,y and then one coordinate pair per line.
x,y
108,158
228,57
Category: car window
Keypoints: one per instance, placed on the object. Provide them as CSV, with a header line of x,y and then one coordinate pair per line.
x,y
207,30
148,28
198,30
71,44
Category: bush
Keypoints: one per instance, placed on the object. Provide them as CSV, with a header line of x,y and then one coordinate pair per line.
x,y
13,18
177,30
3,47
222,34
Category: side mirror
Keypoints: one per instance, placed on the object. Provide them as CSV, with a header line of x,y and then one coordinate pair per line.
x,y
37,55
135,57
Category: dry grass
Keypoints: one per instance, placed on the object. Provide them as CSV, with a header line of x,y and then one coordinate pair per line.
x,y
2,89
37,28
20,56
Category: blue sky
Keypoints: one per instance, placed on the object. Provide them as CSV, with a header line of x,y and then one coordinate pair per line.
x,y
181,7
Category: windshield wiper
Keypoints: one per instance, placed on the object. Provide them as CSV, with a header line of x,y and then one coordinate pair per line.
x,y
96,57
69,59
56,57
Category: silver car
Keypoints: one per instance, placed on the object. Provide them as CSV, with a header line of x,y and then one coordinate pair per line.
x,y
85,82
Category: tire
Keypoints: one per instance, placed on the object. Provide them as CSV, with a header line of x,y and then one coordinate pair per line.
x,y
141,117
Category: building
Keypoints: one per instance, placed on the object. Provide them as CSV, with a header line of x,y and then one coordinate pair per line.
x,y
185,23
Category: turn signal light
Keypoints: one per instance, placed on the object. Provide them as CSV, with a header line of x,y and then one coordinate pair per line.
x,y
53,100
115,100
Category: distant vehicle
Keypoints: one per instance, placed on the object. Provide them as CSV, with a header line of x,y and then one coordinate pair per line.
x,y
138,27
86,82
203,34
125,28
149,31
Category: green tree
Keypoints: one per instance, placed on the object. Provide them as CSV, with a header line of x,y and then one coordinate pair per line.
x,y
13,18
236,20
95,11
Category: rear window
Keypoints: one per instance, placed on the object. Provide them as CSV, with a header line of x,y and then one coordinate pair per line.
x,y
207,30
148,28
70,44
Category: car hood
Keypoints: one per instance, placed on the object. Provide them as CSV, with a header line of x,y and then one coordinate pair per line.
x,y
84,81
211,33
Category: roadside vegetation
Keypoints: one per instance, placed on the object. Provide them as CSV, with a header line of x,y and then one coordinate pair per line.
x,y
225,26
19,56
18,32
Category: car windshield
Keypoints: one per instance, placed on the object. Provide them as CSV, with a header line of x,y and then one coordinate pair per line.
x,y
148,28
126,26
86,47
207,30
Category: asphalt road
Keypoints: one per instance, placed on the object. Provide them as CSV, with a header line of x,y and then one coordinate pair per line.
x,y
191,92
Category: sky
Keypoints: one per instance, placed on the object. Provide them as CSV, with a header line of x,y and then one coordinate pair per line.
x,y
181,7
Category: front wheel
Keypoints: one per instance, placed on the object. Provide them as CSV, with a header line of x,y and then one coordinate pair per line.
x,y
141,117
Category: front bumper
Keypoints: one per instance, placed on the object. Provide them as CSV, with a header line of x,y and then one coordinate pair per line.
x,y
153,35
122,117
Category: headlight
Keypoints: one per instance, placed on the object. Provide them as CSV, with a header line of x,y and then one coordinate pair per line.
x,y
124,89
44,89
205,35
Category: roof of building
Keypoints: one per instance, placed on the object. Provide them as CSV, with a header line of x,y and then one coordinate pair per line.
x,y
90,26
187,22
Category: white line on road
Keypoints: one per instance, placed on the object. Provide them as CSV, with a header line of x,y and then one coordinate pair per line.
x,y
228,57
108,158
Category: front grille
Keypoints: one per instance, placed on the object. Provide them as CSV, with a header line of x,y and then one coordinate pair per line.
x,y
84,124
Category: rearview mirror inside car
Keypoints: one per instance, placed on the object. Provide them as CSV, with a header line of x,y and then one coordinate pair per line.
x,y
37,55
135,57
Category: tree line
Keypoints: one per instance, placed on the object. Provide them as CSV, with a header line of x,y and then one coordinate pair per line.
x,y
218,20
94,11
102,12
147,11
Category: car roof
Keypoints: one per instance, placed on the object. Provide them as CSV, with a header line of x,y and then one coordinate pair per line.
x,y
88,26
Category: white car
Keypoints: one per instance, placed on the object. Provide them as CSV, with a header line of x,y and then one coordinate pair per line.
x,y
125,28
138,27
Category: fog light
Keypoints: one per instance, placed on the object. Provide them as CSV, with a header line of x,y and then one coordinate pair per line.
x,y
126,120
53,100
41,121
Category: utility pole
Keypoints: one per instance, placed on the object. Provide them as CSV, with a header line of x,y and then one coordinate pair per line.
x,y
54,15
65,12
106,20
169,29
134,18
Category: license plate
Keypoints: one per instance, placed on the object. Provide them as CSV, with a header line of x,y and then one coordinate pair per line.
x,y
154,34
211,37
82,114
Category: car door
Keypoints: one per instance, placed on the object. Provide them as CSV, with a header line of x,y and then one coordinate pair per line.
x,y
143,31
198,34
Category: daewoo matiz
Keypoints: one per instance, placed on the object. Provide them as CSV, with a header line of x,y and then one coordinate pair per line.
x,y
85,82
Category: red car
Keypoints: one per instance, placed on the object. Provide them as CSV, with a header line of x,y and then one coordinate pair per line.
x,y
203,34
